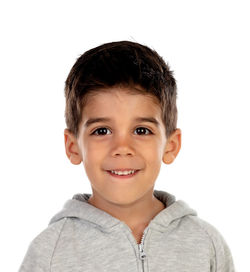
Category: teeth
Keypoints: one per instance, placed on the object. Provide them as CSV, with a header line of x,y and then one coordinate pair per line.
x,y
123,173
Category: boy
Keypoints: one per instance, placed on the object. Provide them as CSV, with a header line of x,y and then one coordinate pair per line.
x,y
121,124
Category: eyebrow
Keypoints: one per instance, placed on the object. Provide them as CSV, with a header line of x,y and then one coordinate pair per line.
x,y
105,119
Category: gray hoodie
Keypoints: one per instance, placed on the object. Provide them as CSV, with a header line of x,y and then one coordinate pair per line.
x,y
83,238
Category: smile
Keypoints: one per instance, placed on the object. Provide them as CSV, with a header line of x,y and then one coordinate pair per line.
x,y
123,174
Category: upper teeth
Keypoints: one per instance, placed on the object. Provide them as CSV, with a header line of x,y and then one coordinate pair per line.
x,y
123,172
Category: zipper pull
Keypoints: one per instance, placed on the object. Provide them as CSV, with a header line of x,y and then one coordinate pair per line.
x,y
142,253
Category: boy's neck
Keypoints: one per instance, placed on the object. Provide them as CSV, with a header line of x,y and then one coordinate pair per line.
x,y
137,215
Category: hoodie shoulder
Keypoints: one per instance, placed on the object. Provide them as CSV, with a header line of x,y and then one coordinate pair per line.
x,y
41,249
222,260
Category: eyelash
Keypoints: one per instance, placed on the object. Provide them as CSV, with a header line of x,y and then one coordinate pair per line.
x,y
93,133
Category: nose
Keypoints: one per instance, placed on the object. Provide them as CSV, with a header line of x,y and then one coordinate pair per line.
x,y
123,146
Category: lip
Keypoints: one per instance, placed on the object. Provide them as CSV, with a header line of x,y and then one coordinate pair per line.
x,y
122,177
123,169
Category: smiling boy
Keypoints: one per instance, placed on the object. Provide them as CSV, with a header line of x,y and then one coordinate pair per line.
x,y
132,138
121,125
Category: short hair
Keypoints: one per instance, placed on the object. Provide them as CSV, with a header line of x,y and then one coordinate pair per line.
x,y
123,64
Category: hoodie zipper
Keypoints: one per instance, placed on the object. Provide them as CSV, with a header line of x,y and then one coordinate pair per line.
x,y
142,253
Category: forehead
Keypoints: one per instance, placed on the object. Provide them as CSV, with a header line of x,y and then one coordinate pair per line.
x,y
125,101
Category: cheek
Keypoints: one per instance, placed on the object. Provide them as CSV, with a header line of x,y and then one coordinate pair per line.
x,y
153,152
93,156
91,153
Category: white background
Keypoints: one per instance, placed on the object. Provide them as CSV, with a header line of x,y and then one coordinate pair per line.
x,y
206,43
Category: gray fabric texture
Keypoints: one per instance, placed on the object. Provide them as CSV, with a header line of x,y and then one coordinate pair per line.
x,y
83,238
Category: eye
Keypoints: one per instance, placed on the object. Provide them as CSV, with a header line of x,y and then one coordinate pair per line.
x,y
101,131
142,129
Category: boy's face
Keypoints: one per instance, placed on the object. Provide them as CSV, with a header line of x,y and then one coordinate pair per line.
x,y
122,142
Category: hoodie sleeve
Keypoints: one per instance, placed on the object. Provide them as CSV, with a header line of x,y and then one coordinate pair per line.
x,y
40,252
222,260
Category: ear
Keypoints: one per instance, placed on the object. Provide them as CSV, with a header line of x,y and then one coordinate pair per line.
x,y
172,147
72,148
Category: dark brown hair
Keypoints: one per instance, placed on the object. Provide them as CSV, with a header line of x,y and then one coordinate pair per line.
x,y
124,64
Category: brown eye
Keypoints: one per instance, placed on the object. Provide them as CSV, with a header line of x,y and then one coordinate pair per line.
x,y
141,130
100,131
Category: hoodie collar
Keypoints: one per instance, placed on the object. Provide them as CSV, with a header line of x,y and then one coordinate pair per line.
x,y
78,207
